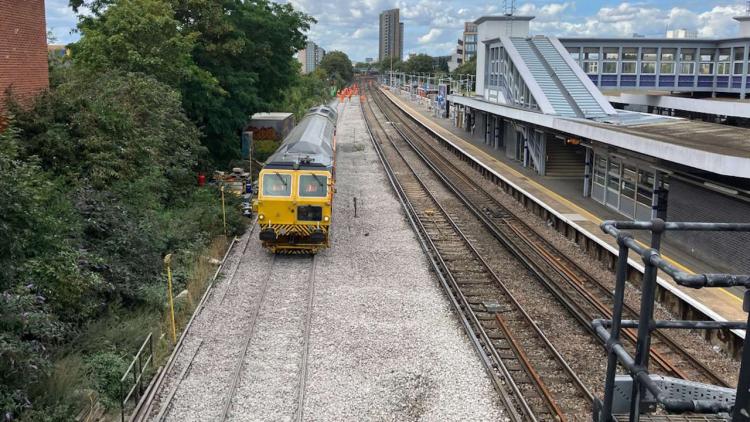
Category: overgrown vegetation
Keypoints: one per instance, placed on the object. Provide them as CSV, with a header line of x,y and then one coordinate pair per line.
x,y
97,184
467,68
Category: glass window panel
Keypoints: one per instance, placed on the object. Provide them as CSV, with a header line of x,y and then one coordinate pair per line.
x,y
667,68
707,54
600,169
668,54
591,53
644,196
648,54
724,54
738,68
648,67
646,178
613,176
722,69
591,67
629,178
575,52
630,53
687,68
739,53
628,67
277,184
687,54
706,69
613,182
609,67
611,53
313,185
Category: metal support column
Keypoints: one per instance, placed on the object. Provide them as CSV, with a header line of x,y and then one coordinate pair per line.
x,y
498,123
525,153
655,194
741,411
646,318
587,173
487,128
621,277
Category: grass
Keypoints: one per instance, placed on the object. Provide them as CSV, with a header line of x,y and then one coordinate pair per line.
x,y
85,376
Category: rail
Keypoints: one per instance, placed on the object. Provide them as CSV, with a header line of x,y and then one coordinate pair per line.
x,y
584,296
442,223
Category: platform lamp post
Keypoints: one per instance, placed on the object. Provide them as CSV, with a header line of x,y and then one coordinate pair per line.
x,y
168,265
223,210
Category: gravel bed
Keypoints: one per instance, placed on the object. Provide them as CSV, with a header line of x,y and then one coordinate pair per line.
x,y
212,338
269,380
384,342
573,342
711,355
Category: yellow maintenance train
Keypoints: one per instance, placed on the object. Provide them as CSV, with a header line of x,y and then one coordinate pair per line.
x,y
296,186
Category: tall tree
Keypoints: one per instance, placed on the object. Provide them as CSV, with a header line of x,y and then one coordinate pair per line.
x,y
138,36
385,65
337,64
420,63
466,68
241,54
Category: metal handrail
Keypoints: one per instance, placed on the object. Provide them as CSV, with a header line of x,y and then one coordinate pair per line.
x,y
138,366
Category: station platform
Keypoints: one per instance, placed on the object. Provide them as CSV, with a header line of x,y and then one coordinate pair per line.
x,y
562,197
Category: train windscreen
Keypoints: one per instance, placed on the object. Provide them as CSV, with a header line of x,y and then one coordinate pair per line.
x,y
313,185
277,184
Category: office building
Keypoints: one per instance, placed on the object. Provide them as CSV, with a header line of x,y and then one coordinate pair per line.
x,y
310,57
391,35
469,41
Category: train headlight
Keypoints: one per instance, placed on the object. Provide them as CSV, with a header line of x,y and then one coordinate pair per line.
x,y
326,218
261,216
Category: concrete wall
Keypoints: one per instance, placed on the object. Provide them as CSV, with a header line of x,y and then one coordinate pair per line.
x,y
688,202
513,26
23,50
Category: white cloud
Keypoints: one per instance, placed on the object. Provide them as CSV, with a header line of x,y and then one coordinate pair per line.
x,y
432,26
430,36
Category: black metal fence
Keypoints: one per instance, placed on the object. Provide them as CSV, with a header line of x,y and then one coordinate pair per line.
x,y
644,387
132,381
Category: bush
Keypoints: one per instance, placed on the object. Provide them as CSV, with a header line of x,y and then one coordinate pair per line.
x,y
105,370
264,148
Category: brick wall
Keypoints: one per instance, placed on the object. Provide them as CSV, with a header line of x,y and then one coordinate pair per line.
x,y
23,49
728,251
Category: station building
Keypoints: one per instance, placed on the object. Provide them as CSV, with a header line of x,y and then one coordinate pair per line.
x,y
539,103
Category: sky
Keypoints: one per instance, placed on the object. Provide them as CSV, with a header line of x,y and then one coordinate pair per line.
x,y
433,26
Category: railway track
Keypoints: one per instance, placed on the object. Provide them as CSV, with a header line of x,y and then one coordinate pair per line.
x,y
585,297
530,375
240,363
145,408
239,367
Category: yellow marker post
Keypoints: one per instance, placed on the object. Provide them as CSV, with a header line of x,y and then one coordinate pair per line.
x,y
168,264
224,210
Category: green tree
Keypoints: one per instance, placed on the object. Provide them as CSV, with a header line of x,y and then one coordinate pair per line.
x,y
138,36
466,68
249,47
338,65
241,54
306,91
420,63
41,277
385,65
